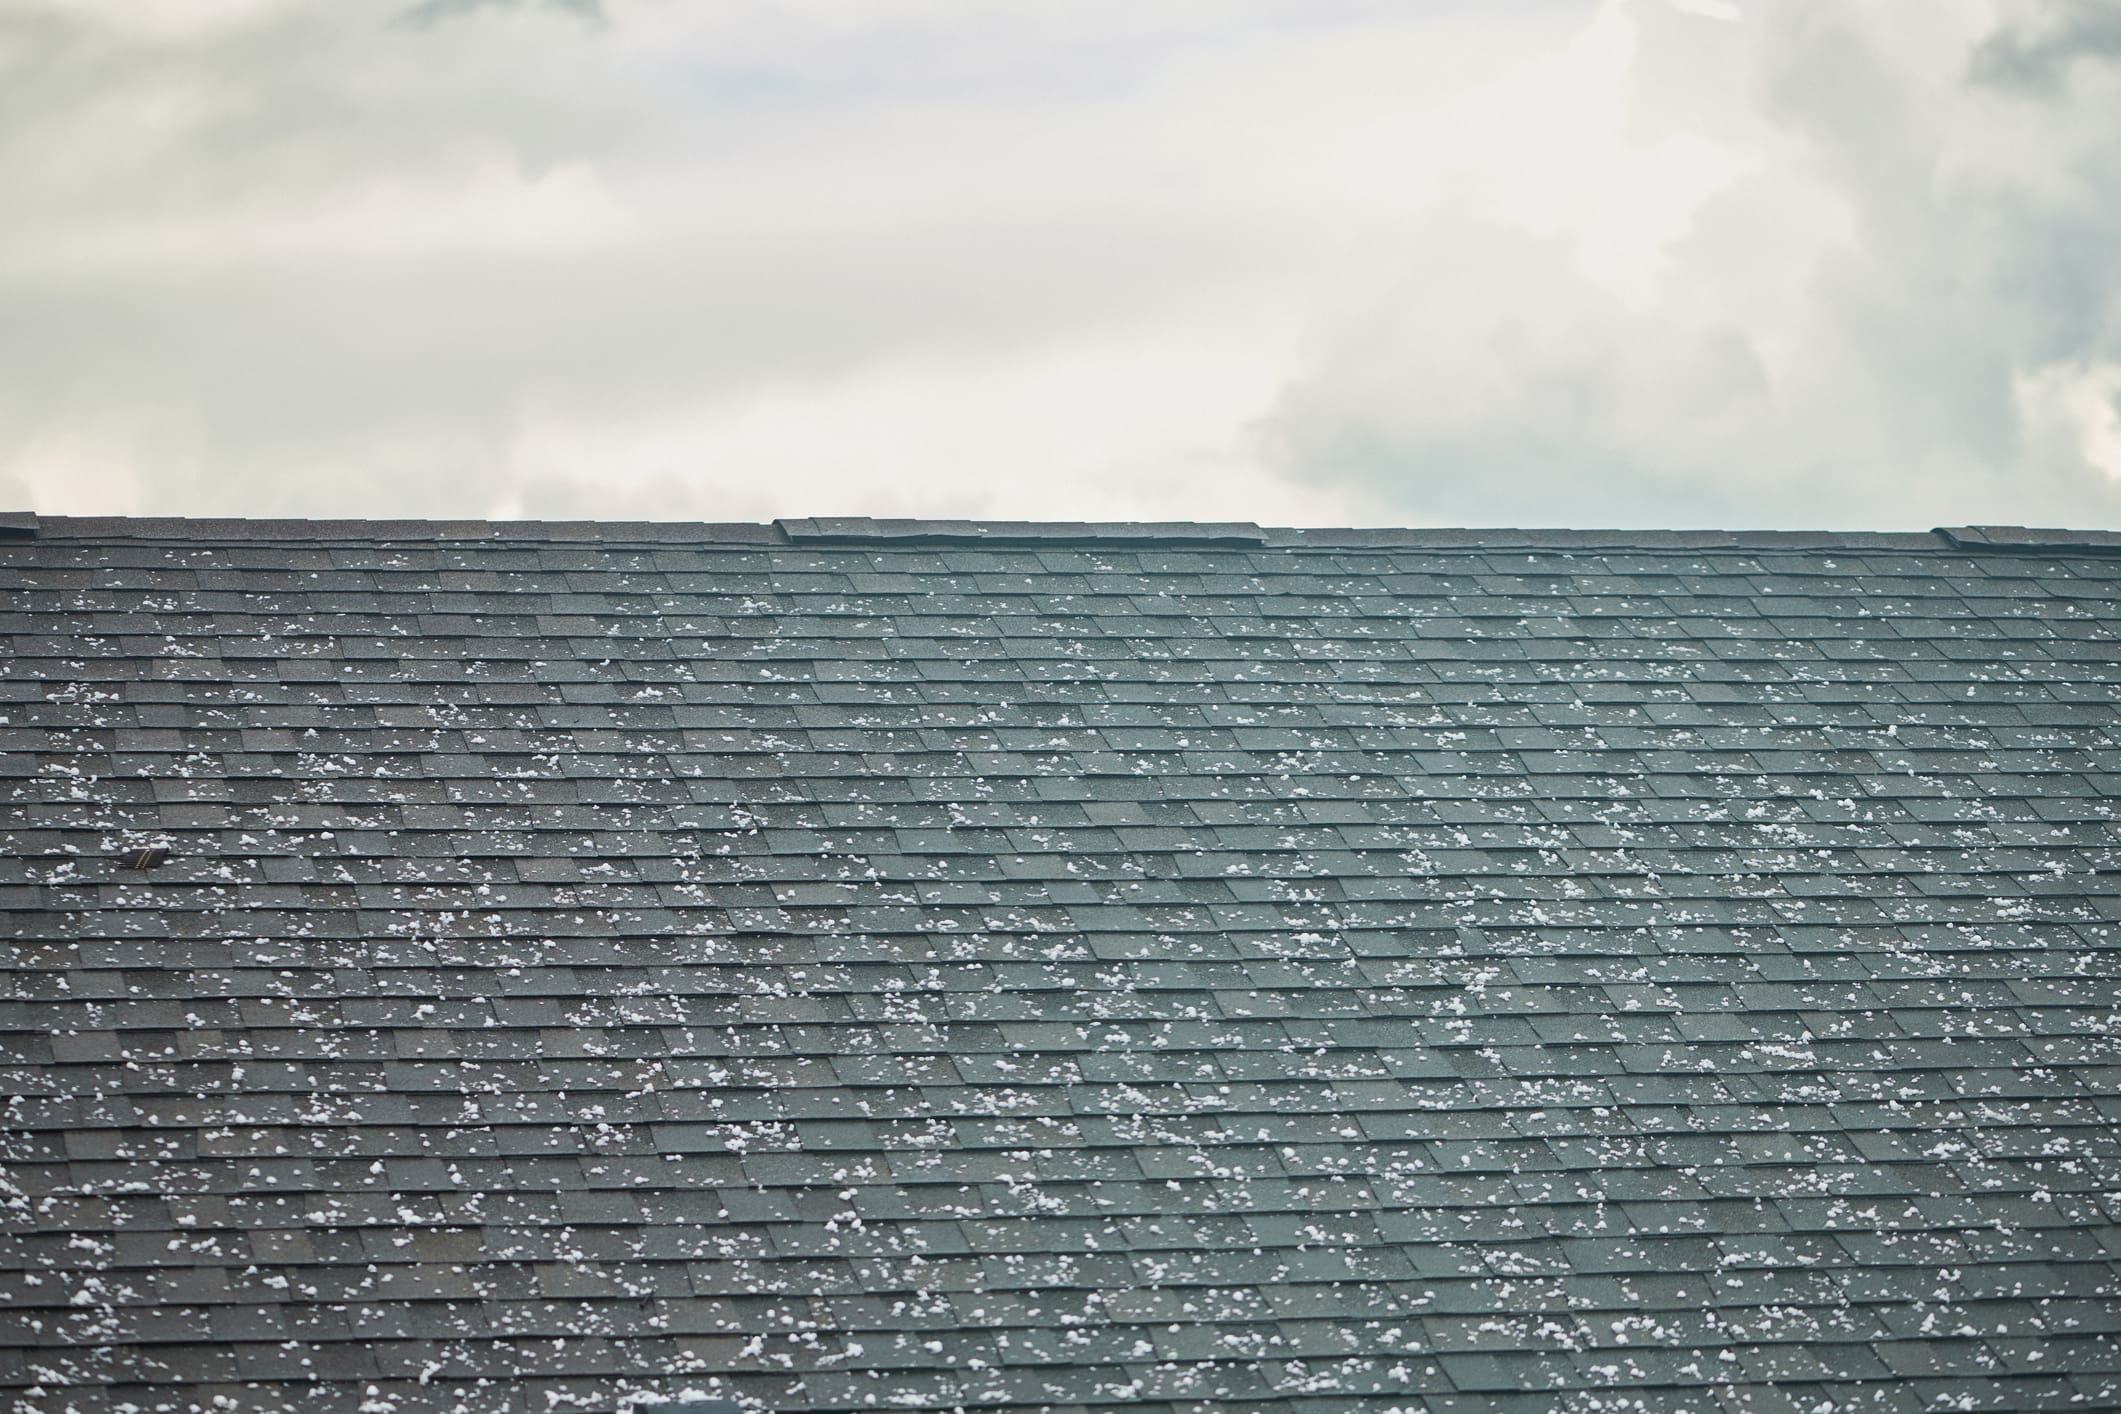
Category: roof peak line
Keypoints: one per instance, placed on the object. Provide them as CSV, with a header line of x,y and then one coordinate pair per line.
x,y
910,533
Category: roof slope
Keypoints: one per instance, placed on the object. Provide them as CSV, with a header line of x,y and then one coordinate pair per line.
x,y
840,966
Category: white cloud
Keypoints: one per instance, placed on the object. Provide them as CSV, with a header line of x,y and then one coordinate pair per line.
x,y
1870,303
2076,408
943,436
1228,258
1710,9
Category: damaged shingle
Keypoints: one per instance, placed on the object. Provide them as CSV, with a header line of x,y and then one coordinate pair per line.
x,y
846,965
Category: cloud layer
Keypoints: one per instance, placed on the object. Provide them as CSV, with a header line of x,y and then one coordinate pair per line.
x,y
1635,263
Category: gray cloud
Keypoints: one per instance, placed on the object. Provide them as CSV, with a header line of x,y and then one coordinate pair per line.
x,y
2036,52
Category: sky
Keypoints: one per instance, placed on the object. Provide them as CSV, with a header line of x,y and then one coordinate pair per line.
x,y
1597,263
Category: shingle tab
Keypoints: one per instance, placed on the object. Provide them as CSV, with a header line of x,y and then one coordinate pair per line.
x,y
843,965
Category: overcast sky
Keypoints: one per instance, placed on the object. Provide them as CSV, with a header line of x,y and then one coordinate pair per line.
x,y
1846,263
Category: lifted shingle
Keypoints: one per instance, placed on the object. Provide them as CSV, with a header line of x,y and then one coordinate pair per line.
x,y
859,530
2019,539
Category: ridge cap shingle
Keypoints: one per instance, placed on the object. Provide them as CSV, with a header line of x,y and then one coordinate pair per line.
x,y
826,532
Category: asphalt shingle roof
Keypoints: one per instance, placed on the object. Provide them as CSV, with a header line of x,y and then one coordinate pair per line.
x,y
849,965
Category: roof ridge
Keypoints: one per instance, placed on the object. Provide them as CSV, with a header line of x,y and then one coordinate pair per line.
x,y
915,532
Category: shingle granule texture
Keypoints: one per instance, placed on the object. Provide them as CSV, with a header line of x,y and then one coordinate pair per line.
x,y
844,966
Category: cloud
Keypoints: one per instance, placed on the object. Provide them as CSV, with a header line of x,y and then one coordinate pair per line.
x,y
1723,10
329,263
2037,50
1892,305
429,12
1324,261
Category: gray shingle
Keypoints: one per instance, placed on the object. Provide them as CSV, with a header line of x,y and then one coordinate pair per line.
x,y
1059,967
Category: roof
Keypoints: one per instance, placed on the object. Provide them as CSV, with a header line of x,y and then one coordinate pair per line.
x,y
847,965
